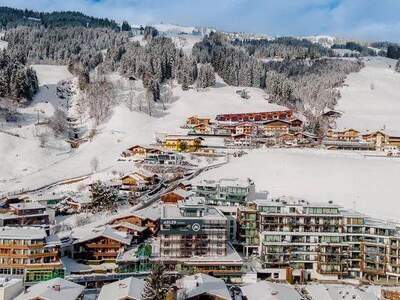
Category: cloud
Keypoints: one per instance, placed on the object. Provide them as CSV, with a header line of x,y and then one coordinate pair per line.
x,y
364,19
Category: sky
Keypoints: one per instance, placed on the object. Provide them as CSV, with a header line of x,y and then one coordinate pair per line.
x,y
361,19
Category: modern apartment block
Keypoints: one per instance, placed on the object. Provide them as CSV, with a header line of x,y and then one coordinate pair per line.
x,y
191,229
226,191
194,236
29,253
25,214
321,241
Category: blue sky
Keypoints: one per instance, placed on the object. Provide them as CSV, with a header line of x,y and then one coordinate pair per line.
x,y
364,19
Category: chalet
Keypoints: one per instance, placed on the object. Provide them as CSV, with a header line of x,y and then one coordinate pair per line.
x,y
202,286
246,128
79,202
276,127
138,233
287,138
382,138
241,141
196,120
53,289
138,152
305,137
139,179
182,143
100,245
345,135
148,217
296,124
255,117
176,195
129,288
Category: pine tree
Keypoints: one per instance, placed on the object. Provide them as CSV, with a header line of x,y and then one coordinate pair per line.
x,y
125,26
156,284
104,196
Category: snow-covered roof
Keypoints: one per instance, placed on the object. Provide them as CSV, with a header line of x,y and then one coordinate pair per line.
x,y
107,232
201,284
152,212
22,233
27,205
264,290
53,289
183,193
130,226
338,292
129,288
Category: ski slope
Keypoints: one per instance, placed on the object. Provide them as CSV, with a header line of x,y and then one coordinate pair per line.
x,y
371,98
367,184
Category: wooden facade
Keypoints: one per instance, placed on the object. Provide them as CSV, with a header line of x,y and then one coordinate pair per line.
x,y
255,117
182,143
276,127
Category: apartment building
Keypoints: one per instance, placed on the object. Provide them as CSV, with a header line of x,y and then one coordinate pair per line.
x,y
25,214
194,236
322,241
29,253
226,191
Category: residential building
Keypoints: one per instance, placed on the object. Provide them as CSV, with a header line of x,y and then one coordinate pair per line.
x,y
29,253
196,120
130,288
242,141
201,286
139,180
176,196
248,234
348,135
246,128
164,158
138,152
100,245
182,143
276,127
25,214
226,191
270,291
53,289
10,288
194,237
382,138
255,117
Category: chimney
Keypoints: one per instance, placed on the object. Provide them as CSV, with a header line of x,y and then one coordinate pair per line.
x,y
57,287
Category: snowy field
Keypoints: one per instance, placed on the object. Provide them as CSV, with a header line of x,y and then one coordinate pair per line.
x,y
371,98
22,155
28,165
367,184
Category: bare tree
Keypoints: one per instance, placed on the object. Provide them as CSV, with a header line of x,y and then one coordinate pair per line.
x,y
100,99
166,95
43,139
94,163
58,123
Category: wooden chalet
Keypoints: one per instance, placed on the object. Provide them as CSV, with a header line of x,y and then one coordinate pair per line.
x,y
139,152
348,135
24,214
176,195
196,120
276,127
147,217
246,128
255,117
138,233
79,202
139,179
100,245
382,138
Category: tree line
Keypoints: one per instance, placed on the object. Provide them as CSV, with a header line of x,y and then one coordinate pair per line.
x,y
17,81
11,17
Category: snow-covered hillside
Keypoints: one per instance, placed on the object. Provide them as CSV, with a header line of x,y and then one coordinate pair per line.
x,y
371,98
124,129
350,179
